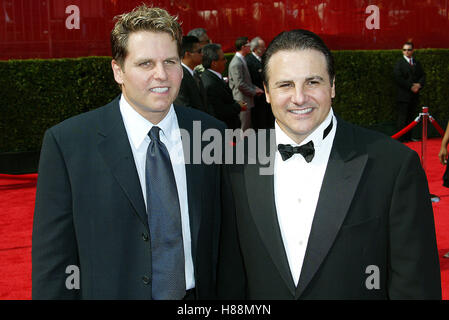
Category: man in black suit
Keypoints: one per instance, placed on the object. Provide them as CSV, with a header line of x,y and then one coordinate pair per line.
x,y
109,178
410,79
261,115
219,95
191,94
338,211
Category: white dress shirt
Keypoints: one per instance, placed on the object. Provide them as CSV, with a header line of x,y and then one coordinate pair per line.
x,y
408,59
137,128
297,186
216,73
190,70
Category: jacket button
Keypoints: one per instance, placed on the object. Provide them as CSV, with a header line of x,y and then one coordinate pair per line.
x,y
145,237
146,280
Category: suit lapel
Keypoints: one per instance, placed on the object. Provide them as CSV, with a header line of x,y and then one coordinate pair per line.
x,y
343,173
114,147
260,193
194,176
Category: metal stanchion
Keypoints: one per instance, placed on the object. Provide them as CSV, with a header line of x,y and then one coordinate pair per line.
x,y
425,118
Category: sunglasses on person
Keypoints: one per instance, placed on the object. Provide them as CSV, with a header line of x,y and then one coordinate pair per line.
x,y
197,51
407,49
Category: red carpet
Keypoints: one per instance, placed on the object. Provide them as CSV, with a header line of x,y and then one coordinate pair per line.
x,y
16,218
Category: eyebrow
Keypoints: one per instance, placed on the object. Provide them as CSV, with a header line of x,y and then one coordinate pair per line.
x,y
142,60
319,78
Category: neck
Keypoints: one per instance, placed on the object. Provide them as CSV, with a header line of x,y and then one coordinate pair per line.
x,y
190,64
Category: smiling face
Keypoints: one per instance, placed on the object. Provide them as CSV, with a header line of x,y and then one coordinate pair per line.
x,y
151,74
299,90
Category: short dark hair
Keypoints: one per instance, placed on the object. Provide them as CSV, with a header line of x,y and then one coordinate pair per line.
x,y
297,40
409,43
240,42
210,54
187,44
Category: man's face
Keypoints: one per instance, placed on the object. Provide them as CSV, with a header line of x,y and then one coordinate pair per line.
x,y
151,74
261,48
196,54
407,50
299,91
220,64
246,49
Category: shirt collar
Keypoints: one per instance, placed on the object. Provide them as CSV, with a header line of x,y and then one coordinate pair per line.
x,y
216,73
185,66
138,127
257,57
316,136
407,58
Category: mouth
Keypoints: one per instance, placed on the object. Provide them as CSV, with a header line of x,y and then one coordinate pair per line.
x,y
301,111
159,90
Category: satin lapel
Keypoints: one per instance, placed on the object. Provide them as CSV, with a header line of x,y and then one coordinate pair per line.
x,y
114,147
343,173
260,193
194,176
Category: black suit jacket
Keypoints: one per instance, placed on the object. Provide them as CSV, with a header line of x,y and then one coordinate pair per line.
x,y
90,211
191,93
373,210
405,75
220,98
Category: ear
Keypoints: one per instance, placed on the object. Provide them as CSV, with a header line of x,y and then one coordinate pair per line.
x,y
333,89
267,94
117,70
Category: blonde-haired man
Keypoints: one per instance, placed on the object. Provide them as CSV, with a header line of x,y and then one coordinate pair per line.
x,y
116,204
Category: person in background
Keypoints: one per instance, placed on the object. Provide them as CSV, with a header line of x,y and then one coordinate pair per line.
x,y
410,79
219,95
191,94
202,36
243,90
261,115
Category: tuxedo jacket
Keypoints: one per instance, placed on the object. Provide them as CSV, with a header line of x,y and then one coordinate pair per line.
x,y
220,98
90,211
374,211
405,75
191,93
240,82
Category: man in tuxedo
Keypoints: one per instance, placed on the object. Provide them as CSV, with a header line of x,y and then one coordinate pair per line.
x,y
410,79
261,116
345,212
191,94
243,90
121,211
219,95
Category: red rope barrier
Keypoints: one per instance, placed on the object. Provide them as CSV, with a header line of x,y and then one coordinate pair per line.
x,y
406,129
436,125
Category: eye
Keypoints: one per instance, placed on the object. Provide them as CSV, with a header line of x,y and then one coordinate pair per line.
x,y
145,64
170,62
285,85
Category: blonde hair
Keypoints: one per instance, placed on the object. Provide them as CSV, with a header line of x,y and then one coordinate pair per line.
x,y
142,18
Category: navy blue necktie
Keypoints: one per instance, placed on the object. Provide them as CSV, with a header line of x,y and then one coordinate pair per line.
x,y
164,219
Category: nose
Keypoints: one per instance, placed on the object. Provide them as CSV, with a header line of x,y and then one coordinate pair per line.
x,y
299,96
159,72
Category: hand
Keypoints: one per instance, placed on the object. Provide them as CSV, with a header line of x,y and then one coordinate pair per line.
x,y
259,91
243,105
443,155
415,87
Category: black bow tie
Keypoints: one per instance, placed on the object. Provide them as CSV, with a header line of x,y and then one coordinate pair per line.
x,y
307,150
